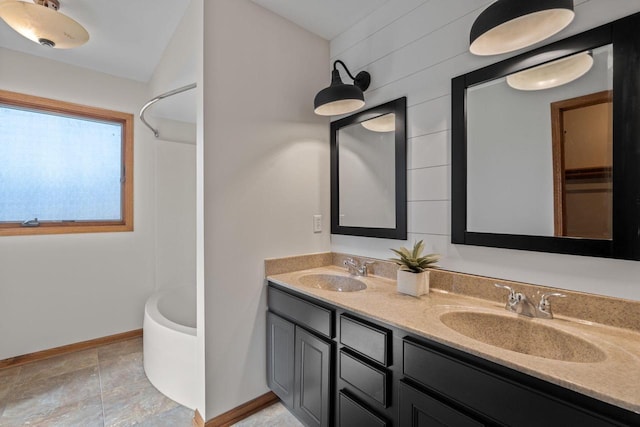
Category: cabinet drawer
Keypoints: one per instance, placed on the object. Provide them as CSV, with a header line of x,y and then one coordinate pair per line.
x,y
420,409
484,392
301,312
370,341
351,414
368,379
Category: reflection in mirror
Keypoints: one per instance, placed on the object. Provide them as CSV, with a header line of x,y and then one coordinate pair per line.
x,y
554,146
366,159
369,172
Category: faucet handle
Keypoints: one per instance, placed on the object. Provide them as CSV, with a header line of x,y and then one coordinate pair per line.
x,y
514,298
544,305
512,292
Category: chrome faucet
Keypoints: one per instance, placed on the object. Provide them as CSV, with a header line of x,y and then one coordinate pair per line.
x,y
544,307
518,302
357,270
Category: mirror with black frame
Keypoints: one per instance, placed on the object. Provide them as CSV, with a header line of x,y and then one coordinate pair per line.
x,y
368,172
546,148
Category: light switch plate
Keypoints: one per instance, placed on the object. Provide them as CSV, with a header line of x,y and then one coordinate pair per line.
x,y
317,223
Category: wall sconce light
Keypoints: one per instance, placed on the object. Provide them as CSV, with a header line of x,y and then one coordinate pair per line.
x,y
340,98
42,23
552,74
385,123
509,25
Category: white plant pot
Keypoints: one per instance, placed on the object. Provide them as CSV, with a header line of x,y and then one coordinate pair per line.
x,y
415,284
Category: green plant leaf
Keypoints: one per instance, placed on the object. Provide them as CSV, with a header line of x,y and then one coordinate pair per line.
x,y
411,260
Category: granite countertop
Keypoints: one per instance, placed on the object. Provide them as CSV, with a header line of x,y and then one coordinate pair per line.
x,y
614,379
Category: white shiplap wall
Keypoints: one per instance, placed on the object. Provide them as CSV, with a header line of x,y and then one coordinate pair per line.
x,y
414,48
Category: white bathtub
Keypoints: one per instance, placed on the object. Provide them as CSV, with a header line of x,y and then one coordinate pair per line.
x,y
170,343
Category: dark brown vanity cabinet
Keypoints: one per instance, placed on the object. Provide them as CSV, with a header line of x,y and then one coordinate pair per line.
x,y
418,409
364,374
331,367
280,357
446,384
299,360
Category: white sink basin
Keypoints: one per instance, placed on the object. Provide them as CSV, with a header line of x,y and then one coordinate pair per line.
x,y
332,282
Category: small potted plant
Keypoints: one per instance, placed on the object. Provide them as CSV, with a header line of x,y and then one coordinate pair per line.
x,y
413,276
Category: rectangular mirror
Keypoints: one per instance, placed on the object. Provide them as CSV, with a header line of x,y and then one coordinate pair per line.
x,y
368,172
546,148
555,150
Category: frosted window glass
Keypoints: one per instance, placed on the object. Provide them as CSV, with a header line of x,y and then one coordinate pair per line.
x,y
58,168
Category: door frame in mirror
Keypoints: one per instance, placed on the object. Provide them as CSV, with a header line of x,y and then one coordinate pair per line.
x,y
625,242
399,108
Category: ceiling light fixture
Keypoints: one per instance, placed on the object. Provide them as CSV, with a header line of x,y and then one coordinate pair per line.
x,y
340,98
386,123
42,23
552,74
509,25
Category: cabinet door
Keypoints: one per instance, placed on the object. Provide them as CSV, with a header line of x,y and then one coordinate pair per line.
x,y
418,409
312,379
280,363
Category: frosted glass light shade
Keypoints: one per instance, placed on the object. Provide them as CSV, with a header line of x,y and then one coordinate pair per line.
x,y
509,25
386,123
43,25
336,108
552,74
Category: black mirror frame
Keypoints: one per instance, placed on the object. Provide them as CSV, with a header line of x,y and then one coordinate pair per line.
x,y
625,242
399,108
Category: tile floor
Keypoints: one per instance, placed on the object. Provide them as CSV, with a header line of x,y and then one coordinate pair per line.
x,y
103,387
274,415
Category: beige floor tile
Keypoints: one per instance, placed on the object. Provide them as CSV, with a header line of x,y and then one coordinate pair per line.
x,y
58,365
50,398
274,415
119,349
177,417
131,404
8,378
124,370
86,413
93,388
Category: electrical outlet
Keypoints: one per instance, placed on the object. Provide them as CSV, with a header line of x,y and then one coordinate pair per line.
x,y
317,223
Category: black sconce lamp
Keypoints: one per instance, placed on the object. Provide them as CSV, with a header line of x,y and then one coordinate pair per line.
x,y
509,25
340,98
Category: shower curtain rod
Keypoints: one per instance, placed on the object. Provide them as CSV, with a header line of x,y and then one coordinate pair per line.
x,y
158,98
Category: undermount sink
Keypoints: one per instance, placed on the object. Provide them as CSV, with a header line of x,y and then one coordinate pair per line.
x,y
332,282
523,336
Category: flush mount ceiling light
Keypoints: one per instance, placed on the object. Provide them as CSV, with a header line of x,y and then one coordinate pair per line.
x,y
340,98
509,25
552,74
386,123
42,23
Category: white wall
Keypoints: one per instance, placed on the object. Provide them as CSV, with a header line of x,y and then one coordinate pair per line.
x,y
62,289
175,214
175,153
413,48
266,173
178,67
